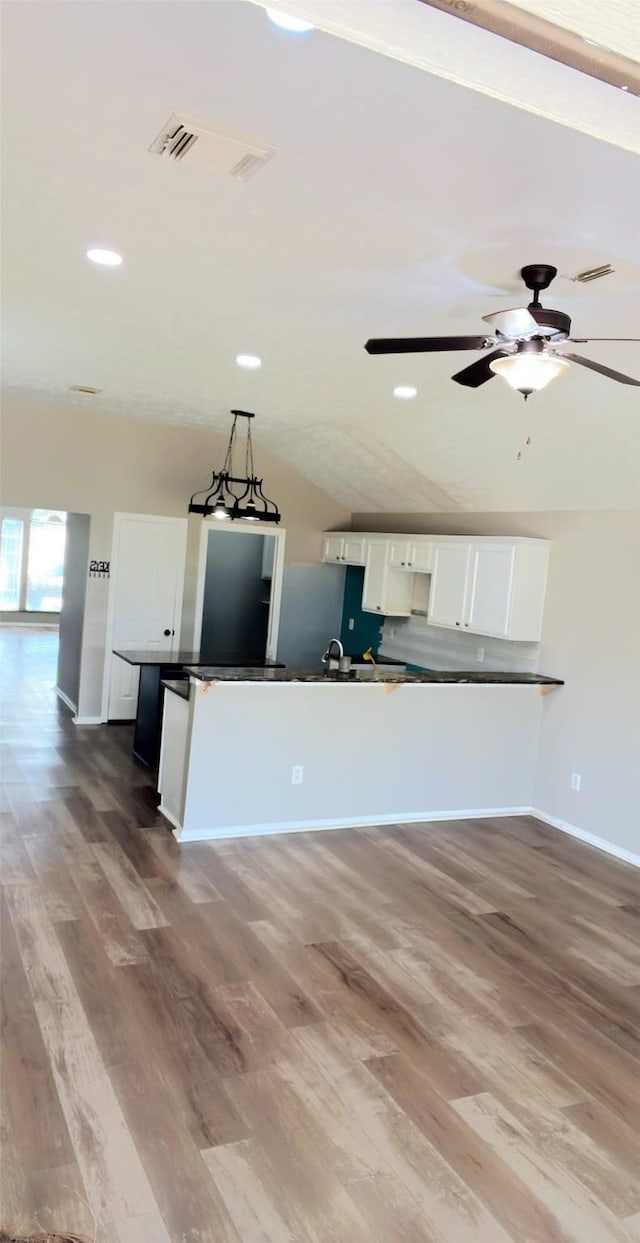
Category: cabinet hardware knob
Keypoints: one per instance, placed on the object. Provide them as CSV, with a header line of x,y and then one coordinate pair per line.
x,y
168,632
402,563
457,623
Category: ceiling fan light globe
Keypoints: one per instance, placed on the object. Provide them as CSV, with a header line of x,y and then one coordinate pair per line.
x,y
528,373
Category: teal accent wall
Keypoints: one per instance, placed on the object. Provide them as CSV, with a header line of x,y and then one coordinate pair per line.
x,y
367,631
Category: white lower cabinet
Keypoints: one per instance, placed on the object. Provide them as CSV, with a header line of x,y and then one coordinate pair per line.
x,y
386,590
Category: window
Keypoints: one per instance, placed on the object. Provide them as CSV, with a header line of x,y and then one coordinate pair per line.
x,y
32,561
45,567
11,541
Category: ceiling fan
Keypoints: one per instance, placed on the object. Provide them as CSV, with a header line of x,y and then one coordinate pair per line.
x,y
526,339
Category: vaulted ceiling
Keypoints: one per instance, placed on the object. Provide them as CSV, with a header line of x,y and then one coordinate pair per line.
x,y
398,203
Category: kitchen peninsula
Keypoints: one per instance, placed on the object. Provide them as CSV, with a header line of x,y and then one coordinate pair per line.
x,y
253,751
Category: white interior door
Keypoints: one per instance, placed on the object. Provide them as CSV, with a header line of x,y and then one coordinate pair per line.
x,y
145,607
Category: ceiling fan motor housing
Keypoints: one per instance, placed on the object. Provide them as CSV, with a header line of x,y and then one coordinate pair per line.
x,y
555,320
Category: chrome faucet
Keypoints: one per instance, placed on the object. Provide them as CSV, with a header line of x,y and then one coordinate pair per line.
x,y
328,658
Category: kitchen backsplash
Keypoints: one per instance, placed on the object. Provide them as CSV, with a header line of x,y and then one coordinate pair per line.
x,y
436,647
366,630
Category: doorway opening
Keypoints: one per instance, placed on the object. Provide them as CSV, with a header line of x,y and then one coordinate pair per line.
x,y
43,570
238,593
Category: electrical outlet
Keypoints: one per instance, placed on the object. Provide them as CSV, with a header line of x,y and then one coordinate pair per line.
x,y
576,779
297,773
351,623
480,655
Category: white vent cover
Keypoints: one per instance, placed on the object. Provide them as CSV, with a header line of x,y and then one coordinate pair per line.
x,y
211,146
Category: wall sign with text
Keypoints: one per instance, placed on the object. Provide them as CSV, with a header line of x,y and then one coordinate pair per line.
x,y
99,569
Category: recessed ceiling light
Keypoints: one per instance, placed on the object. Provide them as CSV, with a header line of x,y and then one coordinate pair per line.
x,y
405,392
295,24
108,258
250,362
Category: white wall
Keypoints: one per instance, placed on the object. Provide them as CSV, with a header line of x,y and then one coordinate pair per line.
x,y
591,638
71,457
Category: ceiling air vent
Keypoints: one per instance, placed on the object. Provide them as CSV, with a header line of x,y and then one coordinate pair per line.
x,y
593,274
214,147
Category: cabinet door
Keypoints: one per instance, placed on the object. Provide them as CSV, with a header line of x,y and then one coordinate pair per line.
x,y
399,553
447,600
333,548
354,551
375,579
421,558
490,588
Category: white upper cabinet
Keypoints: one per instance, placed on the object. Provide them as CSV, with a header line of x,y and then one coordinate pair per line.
x,y
347,549
354,551
411,554
332,548
478,584
487,586
386,591
448,596
421,560
490,588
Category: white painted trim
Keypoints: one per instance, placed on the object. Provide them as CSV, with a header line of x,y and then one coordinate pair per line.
x,y
244,528
600,843
354,822
172,820
65,699
118,519
88,720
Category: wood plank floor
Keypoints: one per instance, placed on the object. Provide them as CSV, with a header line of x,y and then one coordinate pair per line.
x,y
414,1035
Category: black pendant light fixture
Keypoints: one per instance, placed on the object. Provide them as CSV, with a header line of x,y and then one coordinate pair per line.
x,y
230,496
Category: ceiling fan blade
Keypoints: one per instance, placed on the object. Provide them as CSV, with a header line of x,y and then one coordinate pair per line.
x,y
518,322
425,345
586,340
587,362
479,372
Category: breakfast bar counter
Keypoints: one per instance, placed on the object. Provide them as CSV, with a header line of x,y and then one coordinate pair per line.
x,y
283,750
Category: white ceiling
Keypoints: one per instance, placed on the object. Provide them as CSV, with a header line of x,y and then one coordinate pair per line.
x,y
398,203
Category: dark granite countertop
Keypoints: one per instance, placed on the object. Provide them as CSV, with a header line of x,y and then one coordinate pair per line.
x,y
179,659
218,673
180,687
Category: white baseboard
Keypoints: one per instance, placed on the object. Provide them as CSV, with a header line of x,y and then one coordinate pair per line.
x,y
172,820
354,822
65,699
600,843
88,720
